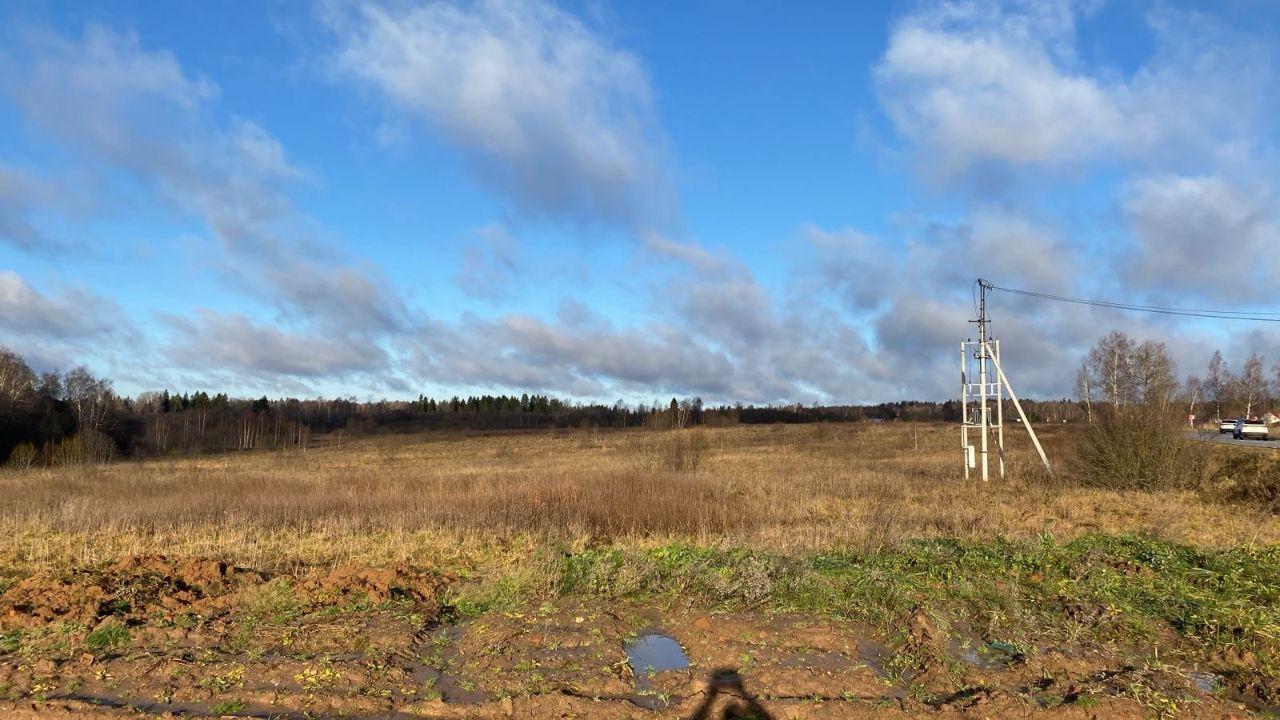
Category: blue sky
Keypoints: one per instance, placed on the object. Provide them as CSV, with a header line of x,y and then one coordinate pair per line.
x,y
628,201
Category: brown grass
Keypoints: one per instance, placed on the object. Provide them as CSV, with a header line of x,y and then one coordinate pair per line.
x,y
461,501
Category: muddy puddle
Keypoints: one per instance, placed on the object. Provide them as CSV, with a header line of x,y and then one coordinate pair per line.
x,y
651,653
993,655
1205,682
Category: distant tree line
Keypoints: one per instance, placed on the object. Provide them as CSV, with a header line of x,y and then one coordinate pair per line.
x,y
1120,376
75,417
1246,393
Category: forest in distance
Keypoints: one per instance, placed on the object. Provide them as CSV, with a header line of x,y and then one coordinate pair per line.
x,y
74,416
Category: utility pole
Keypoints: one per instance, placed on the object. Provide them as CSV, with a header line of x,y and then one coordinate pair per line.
x,y
982,371
985,351
995,357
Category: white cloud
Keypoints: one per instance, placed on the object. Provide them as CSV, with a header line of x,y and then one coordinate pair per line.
x,y
73,314
1203,235
120,107
132,117
546,109
56,330
590,358
985,86
968,83
216,342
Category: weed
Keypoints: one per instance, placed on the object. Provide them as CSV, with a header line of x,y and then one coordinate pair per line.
x,y
41,689
232,677
274,601
317,677
227,707
108,637
10,641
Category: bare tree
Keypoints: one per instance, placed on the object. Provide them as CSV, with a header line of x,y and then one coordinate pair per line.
x,y
1084,391
1275,383
90,398
17,381
1218,383
1110,365
1153,382
1252,384
1124,374
1193,391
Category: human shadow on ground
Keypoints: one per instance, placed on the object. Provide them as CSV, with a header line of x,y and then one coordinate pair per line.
x,y
727,699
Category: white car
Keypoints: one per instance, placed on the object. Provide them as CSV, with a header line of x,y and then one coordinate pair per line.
x,y
1227,426
1250,430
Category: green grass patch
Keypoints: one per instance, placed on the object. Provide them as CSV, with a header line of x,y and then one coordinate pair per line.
x,y
10,641
227,707
108,637
1102,586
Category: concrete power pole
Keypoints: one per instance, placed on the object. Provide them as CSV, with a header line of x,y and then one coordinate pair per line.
x,y
982,372
985,352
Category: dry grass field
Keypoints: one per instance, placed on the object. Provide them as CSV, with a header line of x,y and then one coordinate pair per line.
x,y
489,498
813,571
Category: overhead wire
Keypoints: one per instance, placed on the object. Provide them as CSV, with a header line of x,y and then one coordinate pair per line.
x,y
1251,315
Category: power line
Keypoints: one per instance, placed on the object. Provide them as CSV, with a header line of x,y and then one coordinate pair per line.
x,y
1252,315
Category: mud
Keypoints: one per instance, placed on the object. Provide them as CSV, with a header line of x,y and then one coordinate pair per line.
x,y
155,636
134,587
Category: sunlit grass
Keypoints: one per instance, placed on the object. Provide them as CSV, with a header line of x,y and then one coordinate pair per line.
x,y
467,501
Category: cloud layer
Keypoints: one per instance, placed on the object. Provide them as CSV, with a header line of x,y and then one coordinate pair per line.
x,y
982,87
994,108
547,110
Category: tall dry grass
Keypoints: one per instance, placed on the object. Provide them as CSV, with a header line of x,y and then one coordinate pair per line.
x,y
463,501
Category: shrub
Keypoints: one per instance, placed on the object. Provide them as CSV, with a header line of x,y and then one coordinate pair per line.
x,y
69,451
90,446
98,446
1250,477
23,456
683,450
1132,452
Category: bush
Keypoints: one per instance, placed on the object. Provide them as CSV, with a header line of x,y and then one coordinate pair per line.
x,y
1131,452
23,456
98,446
90,446
68,451
1250,477
682,450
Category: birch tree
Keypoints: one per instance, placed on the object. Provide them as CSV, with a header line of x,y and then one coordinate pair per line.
x,y
1084,391
1153,382
1218,383
1110,366
1124,374
1252,384
17,381
90,398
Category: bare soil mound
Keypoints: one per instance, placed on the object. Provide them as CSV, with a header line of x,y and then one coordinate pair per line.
x,y
130,588
138,587
377,585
